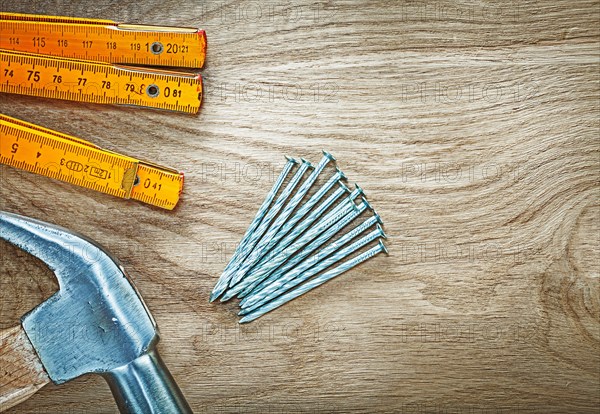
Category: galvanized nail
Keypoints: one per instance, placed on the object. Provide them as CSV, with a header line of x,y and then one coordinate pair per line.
x,y
221,284
266,221
304,209
292,257
253,278
304,233
266,240
266,261
317,243
307,270
298,232
317,281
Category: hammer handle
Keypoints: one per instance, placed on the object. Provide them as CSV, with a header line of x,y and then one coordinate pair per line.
x,y
21,373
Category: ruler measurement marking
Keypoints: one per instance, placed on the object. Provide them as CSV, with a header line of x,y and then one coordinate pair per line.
x,y
67,169
104,164
192,55
114,83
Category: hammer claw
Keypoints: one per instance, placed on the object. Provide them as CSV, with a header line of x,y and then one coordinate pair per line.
x,y
61,250
96,322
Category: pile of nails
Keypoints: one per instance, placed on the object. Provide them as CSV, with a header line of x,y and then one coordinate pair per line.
x,y
284,252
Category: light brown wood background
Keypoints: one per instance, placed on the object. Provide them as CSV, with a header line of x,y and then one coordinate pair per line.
x,y
472,125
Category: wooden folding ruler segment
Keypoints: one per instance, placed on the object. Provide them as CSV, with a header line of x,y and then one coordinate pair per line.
x,y
53,154
81,60
103,40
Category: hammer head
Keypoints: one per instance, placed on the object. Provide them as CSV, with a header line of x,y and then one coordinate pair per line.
x,y
96,322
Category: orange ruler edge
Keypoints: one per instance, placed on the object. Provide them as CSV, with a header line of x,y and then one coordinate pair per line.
x,y
103,40
63,157
82,60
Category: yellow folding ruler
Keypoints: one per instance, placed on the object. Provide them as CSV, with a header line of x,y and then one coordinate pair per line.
x,y
53,154
103,40
82,60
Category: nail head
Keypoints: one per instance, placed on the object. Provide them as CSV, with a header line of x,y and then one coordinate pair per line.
x,y
383,248
328,155
381,232
366,203
344,187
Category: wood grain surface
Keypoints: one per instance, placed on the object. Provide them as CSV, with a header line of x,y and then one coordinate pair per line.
x,y
473,127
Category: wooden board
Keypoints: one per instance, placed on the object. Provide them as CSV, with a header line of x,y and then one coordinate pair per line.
x,y
474,129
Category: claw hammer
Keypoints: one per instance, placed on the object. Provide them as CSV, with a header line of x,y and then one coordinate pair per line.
x,y
96,323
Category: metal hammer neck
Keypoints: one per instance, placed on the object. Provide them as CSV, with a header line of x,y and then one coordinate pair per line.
x,y
145,386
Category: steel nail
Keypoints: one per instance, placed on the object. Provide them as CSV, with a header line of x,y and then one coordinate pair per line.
x,y
253,278
298,232
304,233
223,281
317,281
266,240
300,228
317,243
304,209
306,270
331,218
273,271
311,265
288,226
266,221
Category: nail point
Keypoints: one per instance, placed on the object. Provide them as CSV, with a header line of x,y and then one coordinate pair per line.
x,y
225,298
217,291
